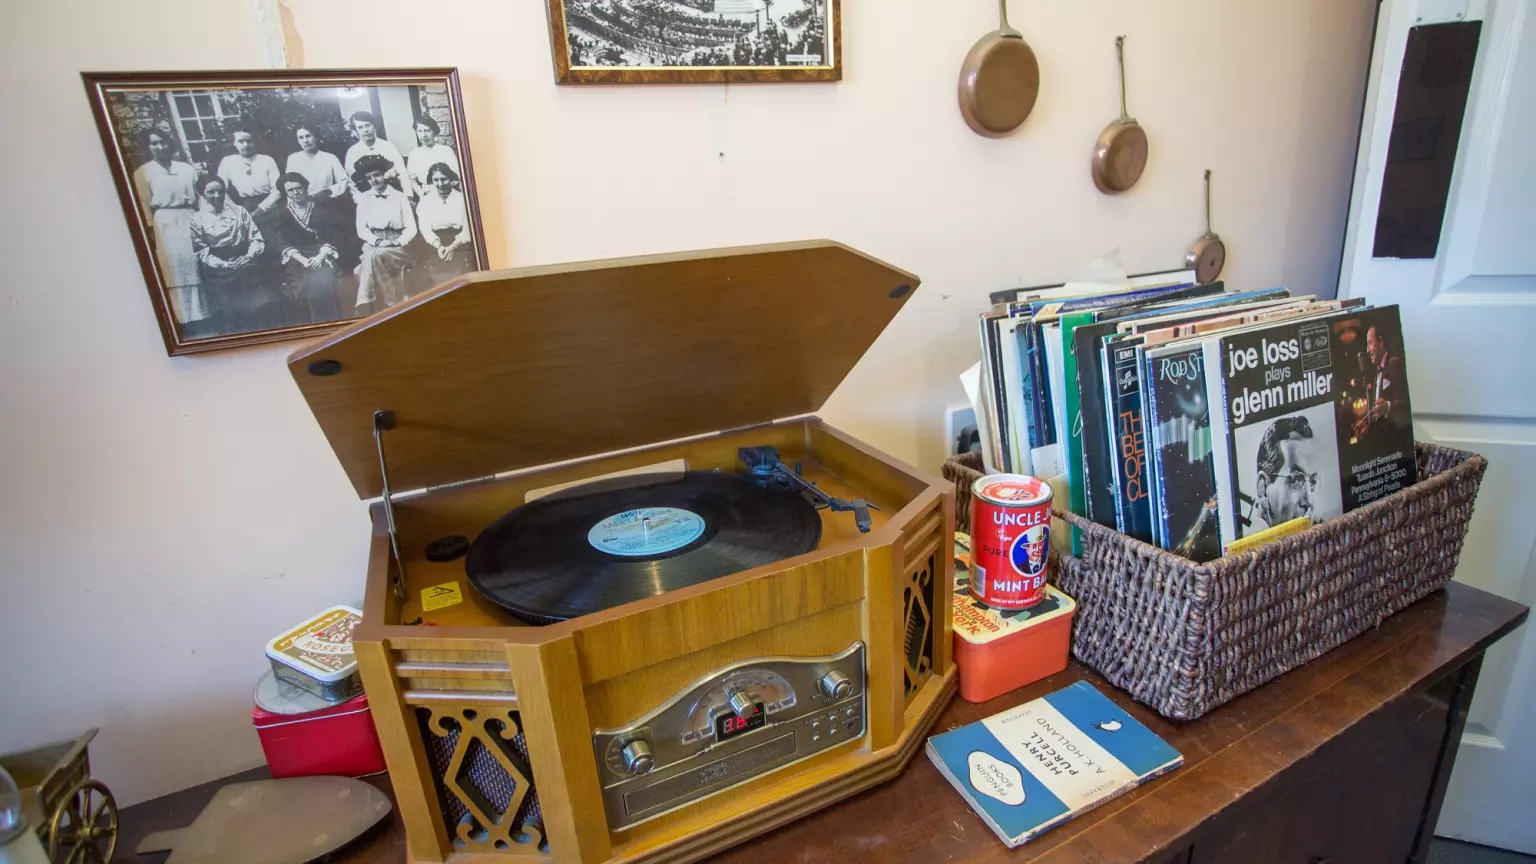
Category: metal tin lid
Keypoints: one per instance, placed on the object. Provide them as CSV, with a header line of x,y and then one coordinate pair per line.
x,y
321,647
280,697
1014,490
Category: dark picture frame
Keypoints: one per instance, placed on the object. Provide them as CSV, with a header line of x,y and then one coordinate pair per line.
x,y
695,41
308,252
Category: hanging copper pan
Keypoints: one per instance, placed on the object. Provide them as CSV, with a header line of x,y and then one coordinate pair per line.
x,y
1121,152
1209,254
999,81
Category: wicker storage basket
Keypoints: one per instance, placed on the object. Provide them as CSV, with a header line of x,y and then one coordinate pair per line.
x,y
1184,638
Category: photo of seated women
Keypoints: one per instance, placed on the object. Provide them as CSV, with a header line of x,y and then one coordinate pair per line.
x,y
386,226
269,212
311,239
444,222
228,246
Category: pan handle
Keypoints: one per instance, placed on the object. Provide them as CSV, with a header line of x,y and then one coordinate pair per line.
x,y
1004,30
1207,202
1125,116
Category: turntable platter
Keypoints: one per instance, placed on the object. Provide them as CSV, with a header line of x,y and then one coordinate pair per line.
x,y
615,541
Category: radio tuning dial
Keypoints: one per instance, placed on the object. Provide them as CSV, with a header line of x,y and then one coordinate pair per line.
x,y
836,685
638,757
743,704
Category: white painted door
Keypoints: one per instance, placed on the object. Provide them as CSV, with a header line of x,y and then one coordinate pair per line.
x,y
1469,318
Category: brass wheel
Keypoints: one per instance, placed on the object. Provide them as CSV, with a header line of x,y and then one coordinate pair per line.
x,y
83,829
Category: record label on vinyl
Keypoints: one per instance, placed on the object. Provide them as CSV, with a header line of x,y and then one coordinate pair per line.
x,y
646,531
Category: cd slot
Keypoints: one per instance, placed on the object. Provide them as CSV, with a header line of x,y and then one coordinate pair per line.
x,y
720,773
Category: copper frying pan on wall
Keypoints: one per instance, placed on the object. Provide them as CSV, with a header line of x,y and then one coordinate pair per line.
x,y
999,81
1121,152
1209,254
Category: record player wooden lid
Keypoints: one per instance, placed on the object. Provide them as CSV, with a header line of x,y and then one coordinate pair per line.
x,y
509,369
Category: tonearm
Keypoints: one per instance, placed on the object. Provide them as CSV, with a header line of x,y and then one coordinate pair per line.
x,y
764,463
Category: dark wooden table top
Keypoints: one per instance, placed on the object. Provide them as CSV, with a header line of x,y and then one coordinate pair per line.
x,y
1229,753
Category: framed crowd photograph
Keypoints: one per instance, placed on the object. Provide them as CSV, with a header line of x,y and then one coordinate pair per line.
x,y
274,204
695,41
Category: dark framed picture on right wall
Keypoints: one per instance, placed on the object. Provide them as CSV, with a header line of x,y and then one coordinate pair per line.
x,y
698,41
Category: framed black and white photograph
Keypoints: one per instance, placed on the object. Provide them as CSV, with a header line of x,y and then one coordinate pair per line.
x,y
679,41
268,205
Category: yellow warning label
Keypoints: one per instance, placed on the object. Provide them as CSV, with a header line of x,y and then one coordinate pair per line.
x,y
438,596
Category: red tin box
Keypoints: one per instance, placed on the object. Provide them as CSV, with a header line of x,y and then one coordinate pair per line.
x,y
304,735
999,650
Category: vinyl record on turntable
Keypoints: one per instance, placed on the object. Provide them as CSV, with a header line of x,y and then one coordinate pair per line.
x,y
615,541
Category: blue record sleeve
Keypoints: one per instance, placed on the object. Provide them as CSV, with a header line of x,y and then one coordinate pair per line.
x,y
1133,498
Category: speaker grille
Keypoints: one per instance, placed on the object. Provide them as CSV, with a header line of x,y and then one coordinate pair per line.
x,y
481,771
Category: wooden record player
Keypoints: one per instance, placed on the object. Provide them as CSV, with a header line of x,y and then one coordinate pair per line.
x,y
677,726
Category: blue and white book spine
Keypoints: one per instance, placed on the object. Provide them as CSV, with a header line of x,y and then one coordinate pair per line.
x,y
1013,386
1031,768
1055,462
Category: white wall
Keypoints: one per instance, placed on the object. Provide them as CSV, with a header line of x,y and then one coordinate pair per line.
x,y
161,518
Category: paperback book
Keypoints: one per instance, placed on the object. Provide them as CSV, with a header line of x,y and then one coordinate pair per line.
x,y
1033,767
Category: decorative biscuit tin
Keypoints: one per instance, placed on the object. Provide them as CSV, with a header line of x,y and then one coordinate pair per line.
x,y
317,655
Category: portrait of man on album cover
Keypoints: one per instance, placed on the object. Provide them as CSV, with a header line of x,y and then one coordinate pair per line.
x,y
1383,383
1287,467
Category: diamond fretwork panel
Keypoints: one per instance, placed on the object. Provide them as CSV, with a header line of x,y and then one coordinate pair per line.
x,y
484,783
917,598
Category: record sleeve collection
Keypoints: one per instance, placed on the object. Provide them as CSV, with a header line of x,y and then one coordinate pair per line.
x,y
1191,417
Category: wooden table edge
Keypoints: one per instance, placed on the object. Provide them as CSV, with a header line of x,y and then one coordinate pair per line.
x,y
1427,629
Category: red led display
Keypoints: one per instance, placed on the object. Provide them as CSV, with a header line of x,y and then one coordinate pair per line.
x,y
728,726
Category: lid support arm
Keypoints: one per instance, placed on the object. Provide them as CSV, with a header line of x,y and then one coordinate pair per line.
x,y
383,421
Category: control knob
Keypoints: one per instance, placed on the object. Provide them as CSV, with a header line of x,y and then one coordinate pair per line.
x,y
638,757
836,685
743,704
